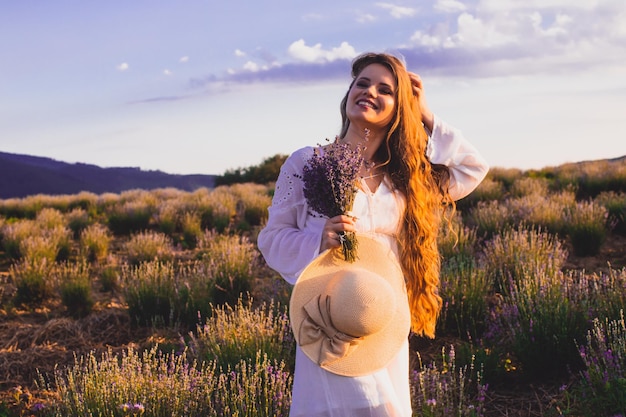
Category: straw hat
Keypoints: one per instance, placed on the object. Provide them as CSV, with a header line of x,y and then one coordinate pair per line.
x,y
351,318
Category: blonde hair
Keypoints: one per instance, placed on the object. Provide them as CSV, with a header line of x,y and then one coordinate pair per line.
x,y
425,187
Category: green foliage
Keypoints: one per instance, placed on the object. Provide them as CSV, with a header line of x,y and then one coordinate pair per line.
x,y
32,281
219,207
456,241
502,283
191,225
5,410
109,279
74,282
148,246
13,233
447,390
593,178
506,176
465,290
615,204
230,261
95,240
252,203
233,334
36,239
160,294
602,387
586,227
517,255
168,385
488,190
525,186
130,217
489,218
77,220
540,318
263,173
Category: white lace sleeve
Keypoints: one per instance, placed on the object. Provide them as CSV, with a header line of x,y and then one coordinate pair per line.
x,y
291,238
449,147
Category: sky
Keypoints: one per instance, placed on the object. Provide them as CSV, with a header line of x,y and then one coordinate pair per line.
x,y
206,86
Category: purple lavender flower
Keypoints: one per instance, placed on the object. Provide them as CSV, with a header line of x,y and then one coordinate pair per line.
x,y
330,186
132,408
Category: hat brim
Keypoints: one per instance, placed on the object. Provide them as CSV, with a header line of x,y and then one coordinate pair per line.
x,y
375,351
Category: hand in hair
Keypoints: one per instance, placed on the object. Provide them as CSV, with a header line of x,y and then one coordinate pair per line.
x,y
418,91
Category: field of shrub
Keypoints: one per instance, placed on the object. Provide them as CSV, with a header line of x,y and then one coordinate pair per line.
x,y
158,303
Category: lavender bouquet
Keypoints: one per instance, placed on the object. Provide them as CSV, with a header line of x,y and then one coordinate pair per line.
x,y
330,186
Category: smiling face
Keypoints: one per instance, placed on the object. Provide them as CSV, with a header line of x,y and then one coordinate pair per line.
x,y
371,101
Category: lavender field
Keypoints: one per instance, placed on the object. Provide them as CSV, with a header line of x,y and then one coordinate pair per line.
x,y
158,303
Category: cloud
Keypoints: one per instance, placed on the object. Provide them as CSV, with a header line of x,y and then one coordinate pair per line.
x,y
312,17
301,52
366,18
239,53
449,6
460,39
183,59
397,12
167,72
251,66
493,6
122,67
532,37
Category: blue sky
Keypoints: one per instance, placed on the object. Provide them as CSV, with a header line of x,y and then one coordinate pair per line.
x,y
203,86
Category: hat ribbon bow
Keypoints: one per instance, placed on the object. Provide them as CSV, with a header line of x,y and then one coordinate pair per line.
x,y
317,327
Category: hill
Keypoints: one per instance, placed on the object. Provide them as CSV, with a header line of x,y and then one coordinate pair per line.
x,y
24,175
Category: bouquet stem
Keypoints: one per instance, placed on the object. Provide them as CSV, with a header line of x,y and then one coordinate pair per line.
x,y
349,245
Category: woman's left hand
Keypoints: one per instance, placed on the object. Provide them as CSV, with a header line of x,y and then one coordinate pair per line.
x,y
418,90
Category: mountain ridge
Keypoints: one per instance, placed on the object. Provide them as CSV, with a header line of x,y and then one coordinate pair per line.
x,y
24,175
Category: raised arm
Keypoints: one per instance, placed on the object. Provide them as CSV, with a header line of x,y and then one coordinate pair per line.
x,y
448,146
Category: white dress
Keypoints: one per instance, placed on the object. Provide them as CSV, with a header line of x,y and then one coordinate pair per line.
x,y
291,240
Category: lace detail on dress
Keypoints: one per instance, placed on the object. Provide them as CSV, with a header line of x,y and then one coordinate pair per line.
x,y
286,188
283,190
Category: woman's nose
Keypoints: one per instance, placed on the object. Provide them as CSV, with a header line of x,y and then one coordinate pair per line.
x,y
371,91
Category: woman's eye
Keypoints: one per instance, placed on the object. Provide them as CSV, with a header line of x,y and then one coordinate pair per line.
x,y
362,84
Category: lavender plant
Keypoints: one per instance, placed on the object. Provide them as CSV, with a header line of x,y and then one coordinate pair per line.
x,y
74,280
607,291
167,385
615,204
540,318
456,241
448,391
95,240
329,181
31,281
516,255
489,217
237,333
254,388
587,228
148,246
77,220
230,262
465,289
158,293
602,389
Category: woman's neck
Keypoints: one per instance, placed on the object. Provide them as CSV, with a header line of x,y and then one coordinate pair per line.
x,y
369,140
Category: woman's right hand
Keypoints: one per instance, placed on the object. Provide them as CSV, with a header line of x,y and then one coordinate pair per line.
x,y
333,227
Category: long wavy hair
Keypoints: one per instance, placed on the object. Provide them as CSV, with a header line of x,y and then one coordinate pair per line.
x,y
424,185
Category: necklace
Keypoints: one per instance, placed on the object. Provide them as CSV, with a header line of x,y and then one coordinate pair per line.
x,y
372,176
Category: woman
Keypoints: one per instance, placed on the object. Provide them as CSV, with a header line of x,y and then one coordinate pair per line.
x,y
414,165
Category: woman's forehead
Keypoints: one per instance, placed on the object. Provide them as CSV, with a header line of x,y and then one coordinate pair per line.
x,y
375,72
